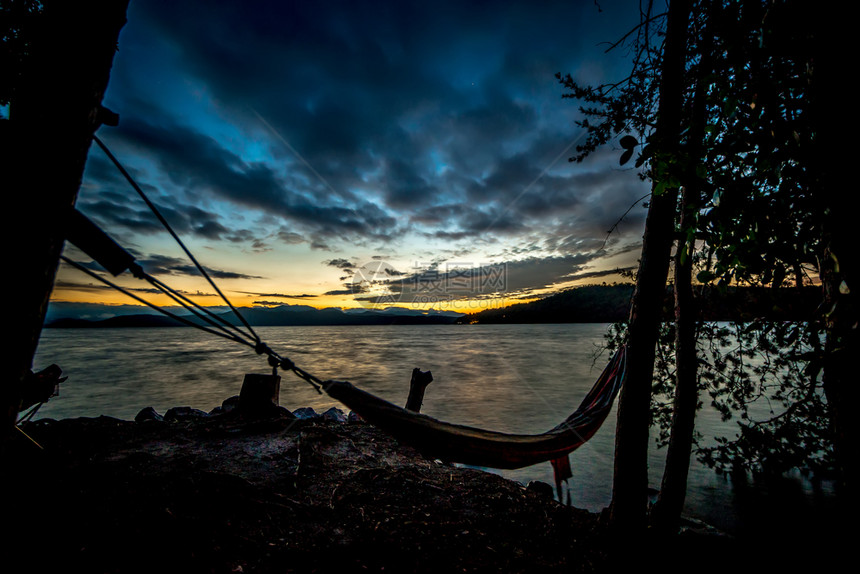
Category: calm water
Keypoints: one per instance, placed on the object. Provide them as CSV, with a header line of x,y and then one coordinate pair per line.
x,y
512,378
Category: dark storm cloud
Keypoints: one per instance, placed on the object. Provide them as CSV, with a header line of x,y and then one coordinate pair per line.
x,y
471,280
166,265
196,162
113,209
446,114
405,186
63,285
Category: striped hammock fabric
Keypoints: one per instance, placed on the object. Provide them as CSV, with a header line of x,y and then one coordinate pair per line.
x,y
478,447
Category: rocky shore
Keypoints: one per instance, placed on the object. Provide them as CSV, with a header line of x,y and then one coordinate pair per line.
x,y
199,492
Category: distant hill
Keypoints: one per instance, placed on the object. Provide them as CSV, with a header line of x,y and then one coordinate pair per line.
x,y
284,315
590,304
610,303
120,321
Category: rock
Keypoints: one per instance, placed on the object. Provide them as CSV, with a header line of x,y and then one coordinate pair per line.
x,y
148,414
184,413
354,417
285,412
305,413
230,405
334,414
540,488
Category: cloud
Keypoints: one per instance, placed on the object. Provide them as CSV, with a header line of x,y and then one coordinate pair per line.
x,y
340,263
343,130
65,285
166,265
290,237
356,289
278,295
195,162
469,280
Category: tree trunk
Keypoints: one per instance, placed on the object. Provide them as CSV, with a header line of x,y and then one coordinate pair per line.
x,y
54,110
666,514
673,489
833,164
628,511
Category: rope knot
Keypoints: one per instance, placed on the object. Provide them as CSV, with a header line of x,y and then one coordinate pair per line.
x,y
262,349
287,364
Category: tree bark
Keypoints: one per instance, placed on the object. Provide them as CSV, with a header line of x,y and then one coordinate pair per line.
x,y
673,489
666,514
53,113
834,167
628,511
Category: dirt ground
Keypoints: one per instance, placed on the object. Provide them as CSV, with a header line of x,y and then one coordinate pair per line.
x,y
226,494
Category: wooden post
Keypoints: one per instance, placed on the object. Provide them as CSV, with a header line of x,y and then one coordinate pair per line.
x,y
417,386
259,394
54,110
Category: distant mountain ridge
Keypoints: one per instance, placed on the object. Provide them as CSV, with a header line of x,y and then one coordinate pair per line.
x,y
284,315
589,304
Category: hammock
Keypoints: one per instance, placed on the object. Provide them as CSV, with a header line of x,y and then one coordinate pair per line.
x,y
478,447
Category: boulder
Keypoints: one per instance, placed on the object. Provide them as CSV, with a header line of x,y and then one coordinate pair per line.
x,y
177,414
230,405
334,414
540,488
148,414
305,413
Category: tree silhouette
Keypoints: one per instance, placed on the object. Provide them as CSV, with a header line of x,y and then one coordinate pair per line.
x,y
754,211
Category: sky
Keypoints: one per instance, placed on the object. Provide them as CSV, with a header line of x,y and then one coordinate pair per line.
x,y
362,154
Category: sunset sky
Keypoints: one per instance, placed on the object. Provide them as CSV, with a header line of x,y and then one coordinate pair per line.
x,y
300,147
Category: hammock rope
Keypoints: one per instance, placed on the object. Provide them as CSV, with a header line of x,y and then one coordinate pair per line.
x,y
167,226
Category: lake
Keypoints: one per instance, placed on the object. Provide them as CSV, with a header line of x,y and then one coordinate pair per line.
x,y
510,378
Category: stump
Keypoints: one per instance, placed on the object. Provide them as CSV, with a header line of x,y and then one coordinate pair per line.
x,y
259,394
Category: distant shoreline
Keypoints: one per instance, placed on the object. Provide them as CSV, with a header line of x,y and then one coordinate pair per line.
x,y
589,304
155,321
